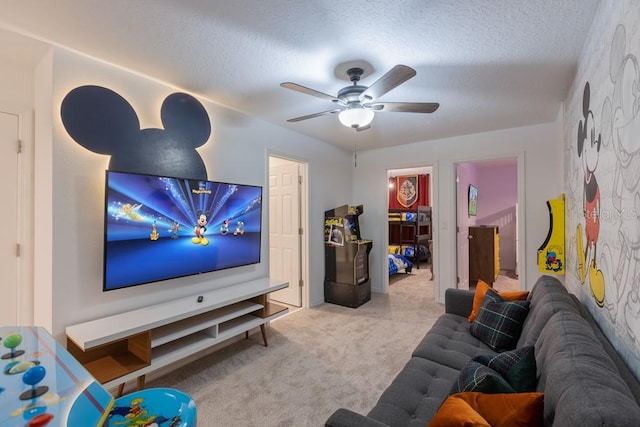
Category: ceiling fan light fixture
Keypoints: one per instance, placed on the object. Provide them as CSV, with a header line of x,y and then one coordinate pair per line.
x,y
355,117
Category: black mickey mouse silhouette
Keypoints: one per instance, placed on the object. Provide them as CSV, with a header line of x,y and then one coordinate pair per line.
x,y
104,122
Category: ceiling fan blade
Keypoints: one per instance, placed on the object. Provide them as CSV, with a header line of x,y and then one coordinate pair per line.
x,y
311,116
406,107
309,91
393,78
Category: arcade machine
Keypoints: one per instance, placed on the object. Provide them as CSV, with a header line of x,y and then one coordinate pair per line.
x,y
551,256
346,258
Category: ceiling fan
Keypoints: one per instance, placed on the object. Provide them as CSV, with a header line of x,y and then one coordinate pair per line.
x,y
356,104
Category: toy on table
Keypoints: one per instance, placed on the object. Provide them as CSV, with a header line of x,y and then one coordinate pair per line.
x,y
163,407
11,342
31,377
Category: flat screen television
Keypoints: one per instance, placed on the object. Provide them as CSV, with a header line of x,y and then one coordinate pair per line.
x,y
158,227
473,200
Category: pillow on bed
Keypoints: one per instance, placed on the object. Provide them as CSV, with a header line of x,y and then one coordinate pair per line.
x,y
481,290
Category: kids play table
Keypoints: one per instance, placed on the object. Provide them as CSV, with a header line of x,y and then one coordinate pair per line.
x,y
42,385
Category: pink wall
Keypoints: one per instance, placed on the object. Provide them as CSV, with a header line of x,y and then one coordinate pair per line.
x,y
497,199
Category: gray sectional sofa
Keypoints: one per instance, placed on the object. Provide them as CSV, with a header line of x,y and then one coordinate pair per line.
x,y
584,381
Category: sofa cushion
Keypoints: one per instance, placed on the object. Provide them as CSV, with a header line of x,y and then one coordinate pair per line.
x,y
581,384
625,373
449,342
499,322
415,395
481,289
458,301
517,367
547,297
494,410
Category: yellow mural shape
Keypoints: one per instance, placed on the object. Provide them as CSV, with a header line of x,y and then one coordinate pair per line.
x,y
551,256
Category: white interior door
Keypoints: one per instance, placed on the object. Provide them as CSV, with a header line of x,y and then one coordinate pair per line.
x,y
284,226
462,236
9,218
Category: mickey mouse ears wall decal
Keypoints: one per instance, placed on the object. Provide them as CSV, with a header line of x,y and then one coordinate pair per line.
x,y
102,121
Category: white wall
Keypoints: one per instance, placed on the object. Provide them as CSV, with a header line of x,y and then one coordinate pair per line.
x,y
467,173
17,98
16,87
539,164
70,190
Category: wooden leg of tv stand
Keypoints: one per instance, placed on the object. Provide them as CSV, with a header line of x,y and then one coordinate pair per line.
x,y
141,380
139,383
263,329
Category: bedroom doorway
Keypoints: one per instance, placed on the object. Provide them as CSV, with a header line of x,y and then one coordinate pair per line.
x,y
487,209
287,218
410,231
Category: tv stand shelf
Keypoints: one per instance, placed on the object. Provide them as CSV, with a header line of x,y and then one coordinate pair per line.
x,y
129,345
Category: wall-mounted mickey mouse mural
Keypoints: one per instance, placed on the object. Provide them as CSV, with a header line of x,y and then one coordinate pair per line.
x,y
104,122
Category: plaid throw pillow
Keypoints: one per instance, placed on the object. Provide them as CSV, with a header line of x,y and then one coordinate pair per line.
x,y
517,367
477,377
499,322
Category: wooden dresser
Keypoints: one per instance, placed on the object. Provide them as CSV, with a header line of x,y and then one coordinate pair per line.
x,y
484,254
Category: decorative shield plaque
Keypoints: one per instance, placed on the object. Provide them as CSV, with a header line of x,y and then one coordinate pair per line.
x,y
407,190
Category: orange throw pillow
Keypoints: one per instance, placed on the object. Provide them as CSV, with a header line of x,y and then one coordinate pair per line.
x,y
481,289
455,412
495,410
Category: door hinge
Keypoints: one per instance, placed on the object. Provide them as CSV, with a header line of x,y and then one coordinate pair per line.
x,y
458,279
299,179
301,283
18,249
300,231
19,146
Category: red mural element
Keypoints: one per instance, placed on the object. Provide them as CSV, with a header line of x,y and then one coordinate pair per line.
x,y
422,191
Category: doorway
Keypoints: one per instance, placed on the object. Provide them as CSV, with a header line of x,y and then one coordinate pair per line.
x,y
287,228
410,224
487,194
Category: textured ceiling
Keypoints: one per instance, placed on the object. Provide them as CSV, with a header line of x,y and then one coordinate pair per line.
x,y
491,64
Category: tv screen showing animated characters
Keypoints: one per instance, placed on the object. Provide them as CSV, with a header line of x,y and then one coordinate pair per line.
x,y
159,228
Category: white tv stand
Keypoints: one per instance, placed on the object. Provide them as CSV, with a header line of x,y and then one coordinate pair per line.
x,y
129,345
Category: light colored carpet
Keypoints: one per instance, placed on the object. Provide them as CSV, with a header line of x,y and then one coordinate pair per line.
x,y
506,281
318,360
